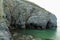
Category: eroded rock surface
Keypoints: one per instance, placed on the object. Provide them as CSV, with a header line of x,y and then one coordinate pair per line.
x,y
24,14
21,12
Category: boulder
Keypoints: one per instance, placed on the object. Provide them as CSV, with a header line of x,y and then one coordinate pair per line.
x,y
43,22
24,14
4,32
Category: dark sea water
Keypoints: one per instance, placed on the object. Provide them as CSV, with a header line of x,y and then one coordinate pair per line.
x,y
44,34
51,34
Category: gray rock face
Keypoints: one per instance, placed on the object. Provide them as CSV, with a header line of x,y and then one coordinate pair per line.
x,y
23,13
52,22
4,32
37,21
42,22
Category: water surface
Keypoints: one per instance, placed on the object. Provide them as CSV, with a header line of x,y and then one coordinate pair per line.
x,y
51,34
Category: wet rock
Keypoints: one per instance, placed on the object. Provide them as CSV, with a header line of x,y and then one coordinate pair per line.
x,y
25,37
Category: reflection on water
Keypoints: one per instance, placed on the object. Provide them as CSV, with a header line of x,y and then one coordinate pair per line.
x,y
42,34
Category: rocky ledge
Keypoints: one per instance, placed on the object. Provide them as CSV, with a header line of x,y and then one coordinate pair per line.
x,y
21,14
24,14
